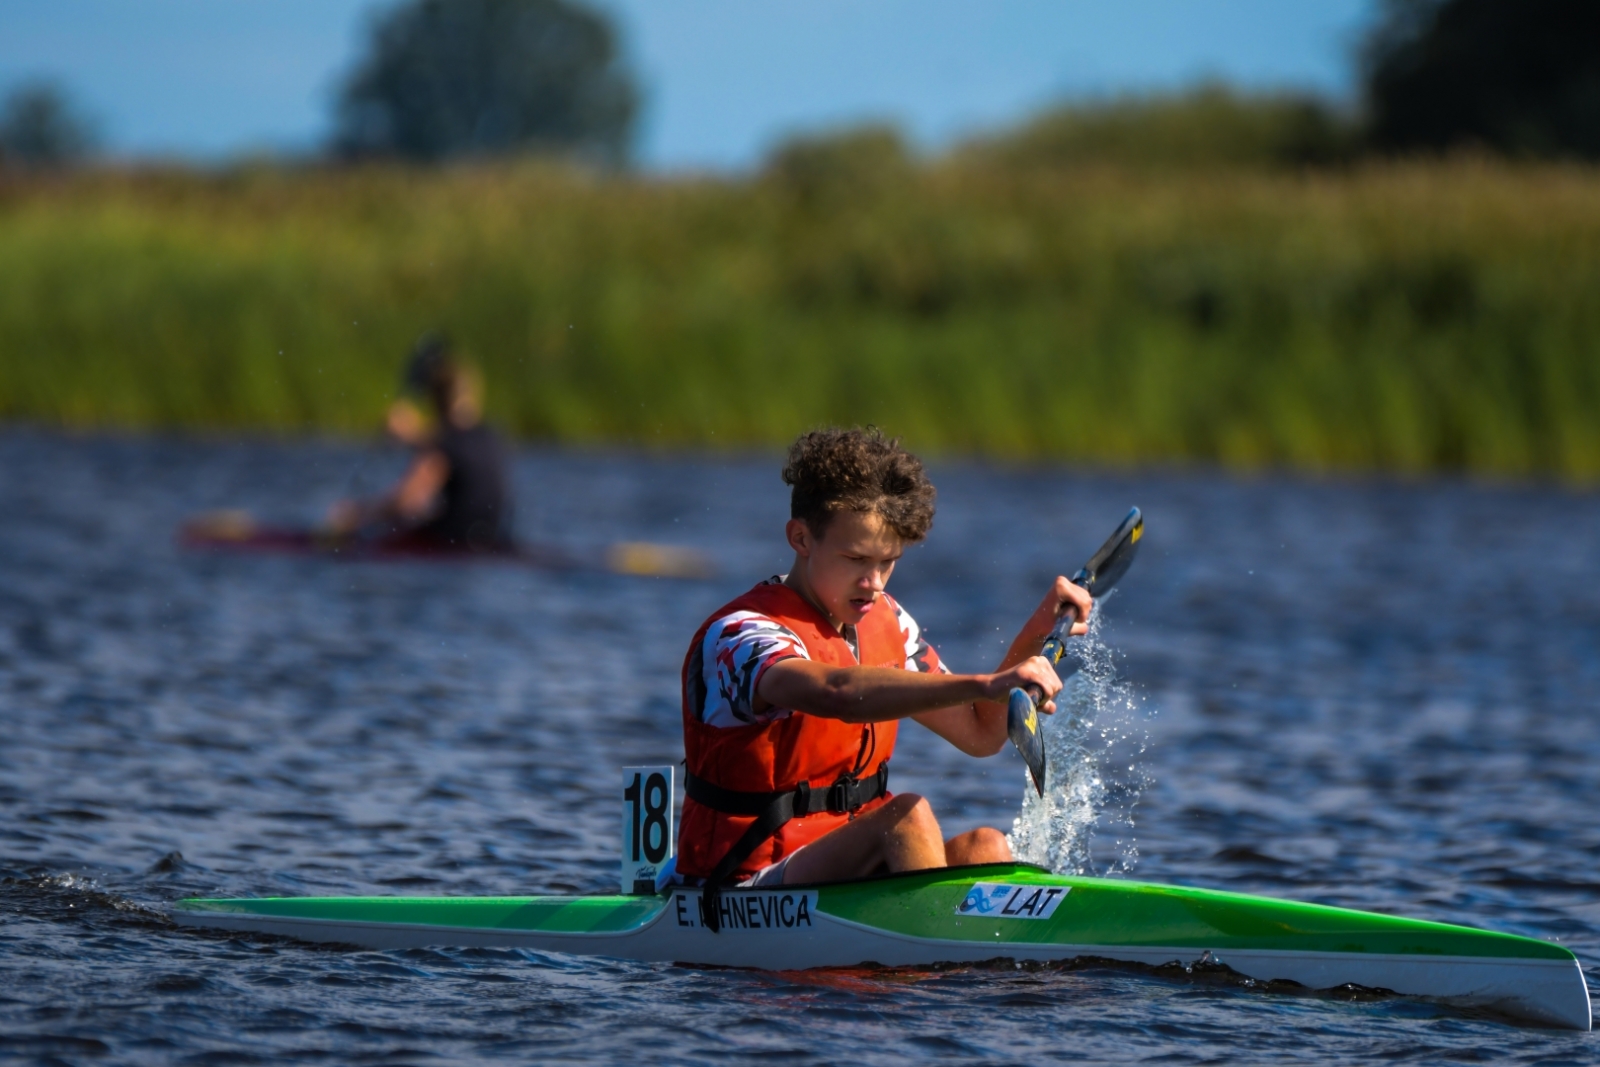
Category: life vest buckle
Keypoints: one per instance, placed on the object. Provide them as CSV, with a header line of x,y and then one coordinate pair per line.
x,y
844,795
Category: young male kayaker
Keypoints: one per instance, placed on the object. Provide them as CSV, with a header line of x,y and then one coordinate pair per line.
x,y
794,691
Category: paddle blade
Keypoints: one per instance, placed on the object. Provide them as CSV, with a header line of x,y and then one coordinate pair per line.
x,y
1109,564
1022,725
657,561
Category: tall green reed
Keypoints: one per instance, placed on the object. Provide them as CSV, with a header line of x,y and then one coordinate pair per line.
x,y
1407,317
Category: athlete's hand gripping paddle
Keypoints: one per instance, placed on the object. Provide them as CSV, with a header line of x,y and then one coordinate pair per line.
x,y
1097,576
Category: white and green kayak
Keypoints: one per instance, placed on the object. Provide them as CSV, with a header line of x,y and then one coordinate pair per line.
x,y
962,915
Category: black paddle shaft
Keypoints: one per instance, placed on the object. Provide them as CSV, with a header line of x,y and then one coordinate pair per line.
x,y
1102,572
1055,646
1097,576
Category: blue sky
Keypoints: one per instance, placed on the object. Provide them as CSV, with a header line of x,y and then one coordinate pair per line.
x,y
209,79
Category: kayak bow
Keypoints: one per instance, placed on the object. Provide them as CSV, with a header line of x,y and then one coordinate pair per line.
x,y
962,915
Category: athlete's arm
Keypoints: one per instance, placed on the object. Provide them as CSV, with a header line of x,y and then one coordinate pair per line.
x,y
419,487
879,694
409,501
978,728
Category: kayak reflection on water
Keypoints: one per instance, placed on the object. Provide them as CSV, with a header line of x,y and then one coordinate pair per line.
x,y
454,496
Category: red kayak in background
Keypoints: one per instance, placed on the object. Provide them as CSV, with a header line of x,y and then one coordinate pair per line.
x,y
238,531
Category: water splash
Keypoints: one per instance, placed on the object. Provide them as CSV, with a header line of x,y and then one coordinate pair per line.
x,y
1093,745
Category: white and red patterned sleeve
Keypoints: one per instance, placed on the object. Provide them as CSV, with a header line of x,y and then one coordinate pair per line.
x,y
738,649
920,656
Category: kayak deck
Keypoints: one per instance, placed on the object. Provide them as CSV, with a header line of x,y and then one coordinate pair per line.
x,y
962,915
238,533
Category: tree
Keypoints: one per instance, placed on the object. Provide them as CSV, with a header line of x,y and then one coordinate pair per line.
x,y
857,163
1207,125
1518,76
452,78
39,127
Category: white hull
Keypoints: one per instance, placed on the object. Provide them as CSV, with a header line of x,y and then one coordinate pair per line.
x,y
1550,992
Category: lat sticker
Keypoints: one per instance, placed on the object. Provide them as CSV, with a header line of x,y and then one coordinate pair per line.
x,y
999,900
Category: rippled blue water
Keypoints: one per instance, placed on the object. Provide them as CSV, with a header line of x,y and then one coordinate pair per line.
x,y
1371,694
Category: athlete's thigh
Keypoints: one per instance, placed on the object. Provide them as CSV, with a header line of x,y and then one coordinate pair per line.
x,y
854,850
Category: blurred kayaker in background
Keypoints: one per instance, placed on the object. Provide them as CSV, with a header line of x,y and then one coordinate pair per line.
x,y
455,495
453,499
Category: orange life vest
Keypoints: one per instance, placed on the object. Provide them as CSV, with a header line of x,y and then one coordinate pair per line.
x,y
779,756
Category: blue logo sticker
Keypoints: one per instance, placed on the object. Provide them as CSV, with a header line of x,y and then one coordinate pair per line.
x,y
1000,900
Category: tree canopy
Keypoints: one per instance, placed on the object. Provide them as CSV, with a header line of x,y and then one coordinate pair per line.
x,y
1209,125
40,127
446,79
1518,76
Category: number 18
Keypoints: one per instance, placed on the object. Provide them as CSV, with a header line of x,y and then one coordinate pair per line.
x,y
646,824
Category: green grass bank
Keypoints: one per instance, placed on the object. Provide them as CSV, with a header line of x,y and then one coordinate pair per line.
x,y
1408,318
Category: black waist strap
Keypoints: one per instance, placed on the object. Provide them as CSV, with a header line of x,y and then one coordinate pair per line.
x,y
843,796
771,811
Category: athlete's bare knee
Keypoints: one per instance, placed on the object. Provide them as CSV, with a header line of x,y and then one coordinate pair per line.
x,y
913,815
991,843
911,840
902,804
983,845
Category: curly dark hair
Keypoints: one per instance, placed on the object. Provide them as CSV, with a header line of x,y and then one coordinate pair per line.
x,y
834,470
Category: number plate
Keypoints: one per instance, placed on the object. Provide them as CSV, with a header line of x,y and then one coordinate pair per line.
x,y
647,837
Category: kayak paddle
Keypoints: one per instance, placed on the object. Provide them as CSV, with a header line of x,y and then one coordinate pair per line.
x,y
1097,576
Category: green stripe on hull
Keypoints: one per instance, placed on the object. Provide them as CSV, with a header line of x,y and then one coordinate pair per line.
x,y
1100,911
1095,911
927,918
567,915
